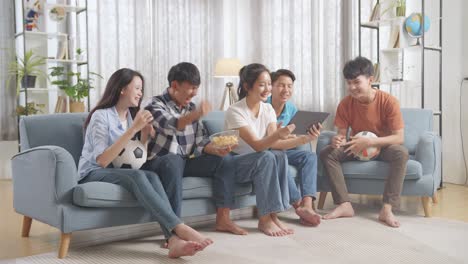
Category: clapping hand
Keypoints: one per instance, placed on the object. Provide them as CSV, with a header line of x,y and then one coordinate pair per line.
x,y
142,118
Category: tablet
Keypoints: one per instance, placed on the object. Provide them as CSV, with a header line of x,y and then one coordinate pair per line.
x,y
305,120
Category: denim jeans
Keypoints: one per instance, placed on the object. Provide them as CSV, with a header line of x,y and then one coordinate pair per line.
x,y
171,168
267,170
305,163
147,189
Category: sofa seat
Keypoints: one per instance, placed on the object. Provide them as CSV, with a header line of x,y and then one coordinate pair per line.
x,y
103,194
378,170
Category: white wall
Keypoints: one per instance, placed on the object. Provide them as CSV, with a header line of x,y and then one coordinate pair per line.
x,y
9,148
455,67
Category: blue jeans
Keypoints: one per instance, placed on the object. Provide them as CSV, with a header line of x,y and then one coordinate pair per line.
x,y
147,189
171,168
306,166
267,170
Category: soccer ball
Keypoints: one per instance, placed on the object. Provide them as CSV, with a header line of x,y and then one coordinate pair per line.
x,y
133,156
367,153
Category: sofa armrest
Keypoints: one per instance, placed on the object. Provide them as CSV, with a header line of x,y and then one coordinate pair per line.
x,y
43,178
428,153
324,140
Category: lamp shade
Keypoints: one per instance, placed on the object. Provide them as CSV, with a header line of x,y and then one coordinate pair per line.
x,y
227,67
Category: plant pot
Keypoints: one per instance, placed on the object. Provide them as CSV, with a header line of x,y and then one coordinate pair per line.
x,y
77,107
28,81
401,11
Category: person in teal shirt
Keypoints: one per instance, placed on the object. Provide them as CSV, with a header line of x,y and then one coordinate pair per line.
x,y
286,110
305,162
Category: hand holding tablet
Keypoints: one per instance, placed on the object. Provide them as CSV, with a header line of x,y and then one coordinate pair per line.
x,y
305,120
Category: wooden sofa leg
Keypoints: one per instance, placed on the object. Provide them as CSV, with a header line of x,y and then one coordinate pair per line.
x,y
435,198
27,221
64,243
426,201
321,202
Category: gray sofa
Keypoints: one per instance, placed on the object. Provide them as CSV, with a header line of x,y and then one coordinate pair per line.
x,y
46,189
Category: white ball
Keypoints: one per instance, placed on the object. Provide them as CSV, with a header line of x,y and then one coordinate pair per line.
x,y
367,153
133,156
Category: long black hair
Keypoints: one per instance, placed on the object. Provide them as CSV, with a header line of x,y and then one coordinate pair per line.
x,y
247,77
117,82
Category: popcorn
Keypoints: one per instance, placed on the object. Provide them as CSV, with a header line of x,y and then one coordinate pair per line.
x,y
224,141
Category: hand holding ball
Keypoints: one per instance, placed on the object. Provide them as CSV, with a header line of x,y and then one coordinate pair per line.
x,y
367,153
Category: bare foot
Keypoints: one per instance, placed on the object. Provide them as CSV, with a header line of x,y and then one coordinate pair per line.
x,y
179,248
187,233
281,225
268,226
386,215
230,227
224,223
308,215
343,210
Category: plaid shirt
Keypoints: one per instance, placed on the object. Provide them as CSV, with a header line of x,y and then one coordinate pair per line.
x,y
166,113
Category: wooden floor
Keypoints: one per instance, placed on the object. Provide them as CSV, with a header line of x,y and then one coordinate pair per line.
x,y
453,204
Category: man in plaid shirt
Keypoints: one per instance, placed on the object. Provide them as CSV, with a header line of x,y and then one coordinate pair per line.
x,y
181,145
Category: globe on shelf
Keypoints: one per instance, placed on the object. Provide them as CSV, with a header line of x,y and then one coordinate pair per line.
x,y
413,26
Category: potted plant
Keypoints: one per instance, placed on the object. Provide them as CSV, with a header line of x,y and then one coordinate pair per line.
x,y
401,8
26,70
74,86
79,54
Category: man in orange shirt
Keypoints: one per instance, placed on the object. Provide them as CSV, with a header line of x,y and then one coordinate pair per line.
x,y
366,109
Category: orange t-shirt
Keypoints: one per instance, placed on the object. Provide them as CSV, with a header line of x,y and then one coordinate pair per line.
x,y
381,116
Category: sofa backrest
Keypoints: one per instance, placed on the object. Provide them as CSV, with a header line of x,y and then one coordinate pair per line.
x,y
214,122
63,130
417,121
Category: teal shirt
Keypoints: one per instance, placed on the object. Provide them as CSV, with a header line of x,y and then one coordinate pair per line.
x,y
287,114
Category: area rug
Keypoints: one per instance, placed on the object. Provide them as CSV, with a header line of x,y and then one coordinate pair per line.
x,y
360,239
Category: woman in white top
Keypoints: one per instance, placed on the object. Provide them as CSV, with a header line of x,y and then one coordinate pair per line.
x,y
259,132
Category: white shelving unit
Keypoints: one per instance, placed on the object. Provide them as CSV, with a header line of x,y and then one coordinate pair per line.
x,y
56,41
411,72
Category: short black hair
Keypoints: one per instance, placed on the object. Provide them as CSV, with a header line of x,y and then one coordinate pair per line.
x,y
184,72
282,72
358,66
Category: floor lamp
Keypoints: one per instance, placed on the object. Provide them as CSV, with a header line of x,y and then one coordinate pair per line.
x,y
228,68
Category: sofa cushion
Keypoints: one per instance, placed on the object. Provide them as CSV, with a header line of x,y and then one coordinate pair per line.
x,y
103,194
214,122
377,169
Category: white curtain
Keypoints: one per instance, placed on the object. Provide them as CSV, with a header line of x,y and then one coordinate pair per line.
x,y
309,38
8,124
312,38
151,36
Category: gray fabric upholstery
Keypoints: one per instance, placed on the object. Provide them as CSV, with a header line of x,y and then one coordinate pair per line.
x,y
423,169
63,130
103,194
45,180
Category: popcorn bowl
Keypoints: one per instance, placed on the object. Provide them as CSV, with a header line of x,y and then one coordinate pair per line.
x,y
225,139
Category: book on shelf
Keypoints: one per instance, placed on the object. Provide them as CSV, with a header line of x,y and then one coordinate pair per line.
x,y
375,15
376,72
61,106
394,39
62,50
